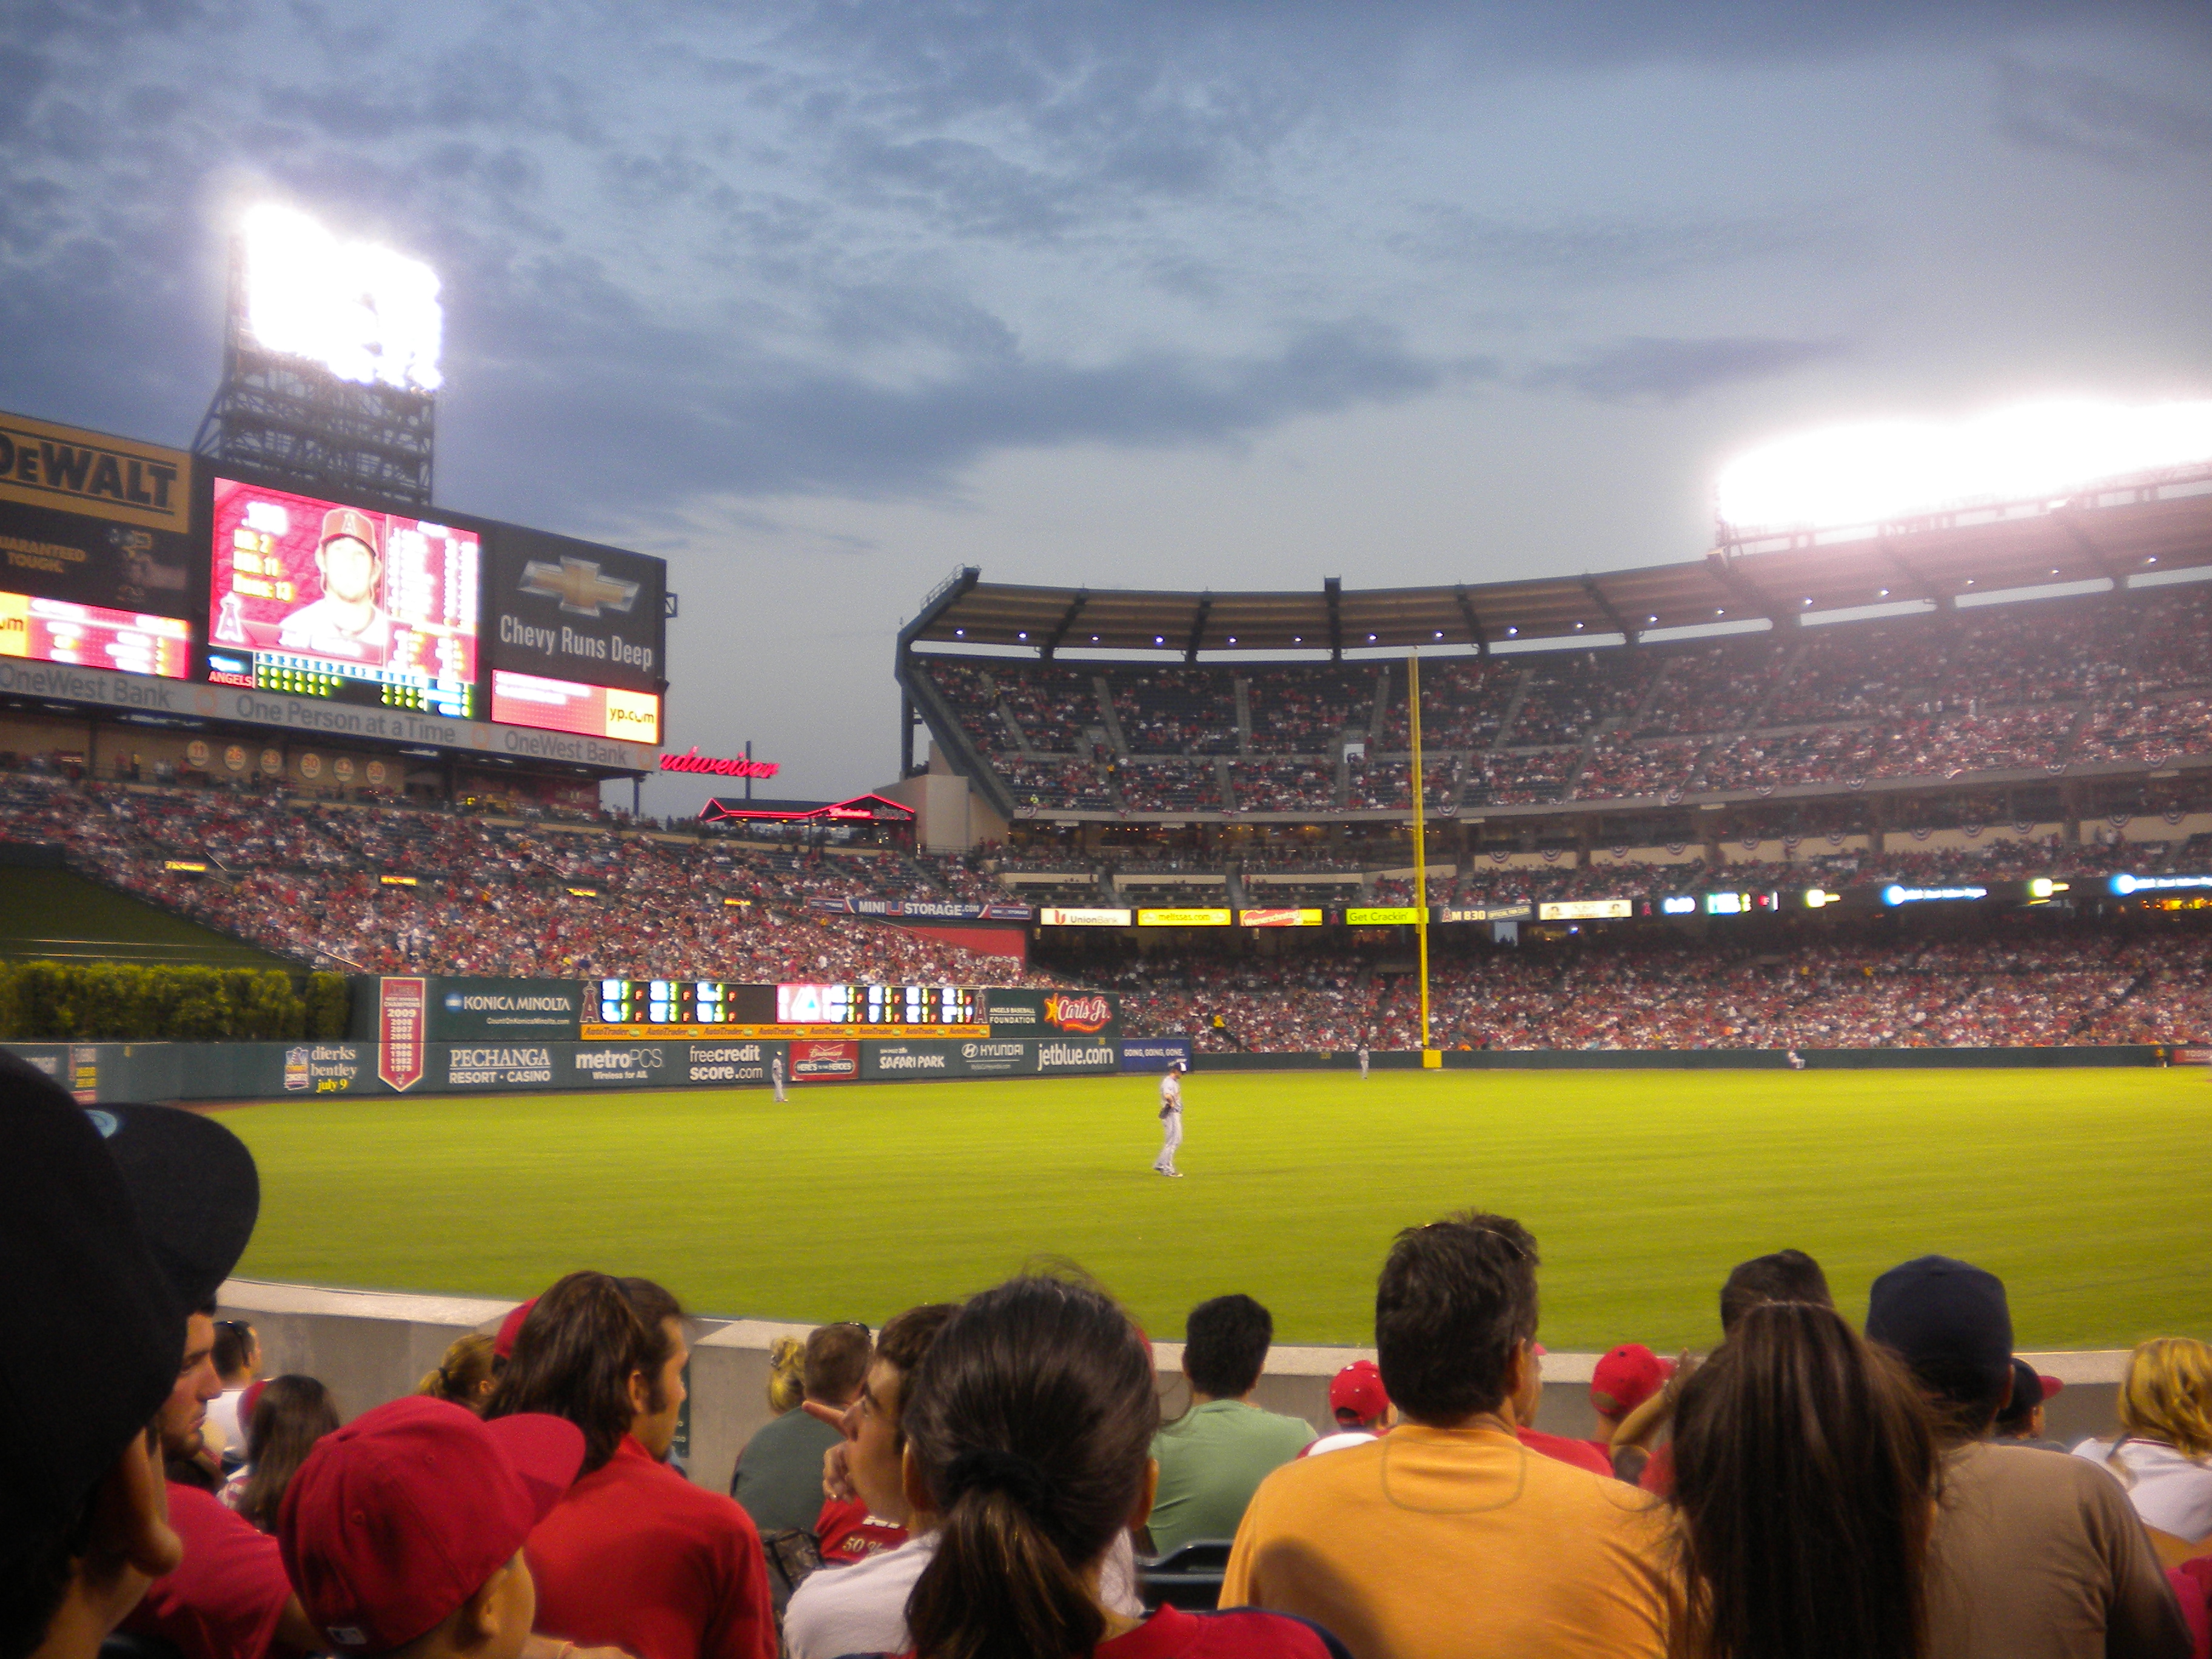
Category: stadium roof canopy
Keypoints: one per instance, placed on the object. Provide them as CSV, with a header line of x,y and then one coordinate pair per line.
x,y
2135,529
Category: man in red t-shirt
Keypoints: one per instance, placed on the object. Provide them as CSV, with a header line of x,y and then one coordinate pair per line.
x,y
634,1556
1580,1453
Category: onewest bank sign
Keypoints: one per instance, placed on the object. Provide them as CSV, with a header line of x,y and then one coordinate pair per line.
x,y
143,694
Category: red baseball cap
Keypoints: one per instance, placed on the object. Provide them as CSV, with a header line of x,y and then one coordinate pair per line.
x,y
502,1346
1357,1389
1624,1378
397,1518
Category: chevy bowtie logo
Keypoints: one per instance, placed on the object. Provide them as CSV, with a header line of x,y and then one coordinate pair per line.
x,y
578,586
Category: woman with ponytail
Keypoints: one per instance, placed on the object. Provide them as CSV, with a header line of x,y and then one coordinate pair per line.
x,y
1028,1427
1806,1473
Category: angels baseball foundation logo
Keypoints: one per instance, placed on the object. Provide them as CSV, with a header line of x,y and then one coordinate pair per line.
x,y
1068,1013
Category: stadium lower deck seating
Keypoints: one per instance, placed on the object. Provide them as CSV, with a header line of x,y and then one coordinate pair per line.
x,y
381,890
376,890
1642,989
2123,678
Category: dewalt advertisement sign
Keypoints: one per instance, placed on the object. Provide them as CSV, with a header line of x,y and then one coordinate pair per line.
x,y
97,521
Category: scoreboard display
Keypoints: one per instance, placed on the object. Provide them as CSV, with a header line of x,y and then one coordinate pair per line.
x,y
663,1002
315,599
674,1007
877,1004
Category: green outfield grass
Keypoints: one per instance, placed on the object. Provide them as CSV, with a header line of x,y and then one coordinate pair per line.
x,y
2084,1189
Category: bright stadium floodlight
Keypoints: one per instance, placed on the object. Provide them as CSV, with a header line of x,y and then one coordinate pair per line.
x,y
365,313
1885,470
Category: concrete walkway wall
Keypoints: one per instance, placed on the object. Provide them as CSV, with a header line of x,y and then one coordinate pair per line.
x,y
370,1346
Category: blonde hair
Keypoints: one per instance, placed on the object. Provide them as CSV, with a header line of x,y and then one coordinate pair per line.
x,y
2167,1396
786,1377
463,1372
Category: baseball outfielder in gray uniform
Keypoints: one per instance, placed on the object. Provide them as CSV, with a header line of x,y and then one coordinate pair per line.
x,y
776,1075
1171,1120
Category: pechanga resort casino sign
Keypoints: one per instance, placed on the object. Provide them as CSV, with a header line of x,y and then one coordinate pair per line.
x,y
714,766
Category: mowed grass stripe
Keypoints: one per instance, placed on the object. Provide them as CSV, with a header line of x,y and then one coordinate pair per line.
x,y
2082,1189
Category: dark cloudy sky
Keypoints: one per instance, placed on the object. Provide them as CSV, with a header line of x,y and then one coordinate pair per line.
x,y
823,300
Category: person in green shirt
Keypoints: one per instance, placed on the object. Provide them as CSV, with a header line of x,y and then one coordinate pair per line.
x,y
1214,1456
779,1474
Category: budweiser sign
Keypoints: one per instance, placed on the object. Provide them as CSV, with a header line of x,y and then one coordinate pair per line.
x,y
693,760
1079,1013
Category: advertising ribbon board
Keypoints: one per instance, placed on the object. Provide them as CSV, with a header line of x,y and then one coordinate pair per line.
x,y
480,1010
1587,910
42,465
593,1033
1052,917
912,1059
1206,918
402,1018
998,1057
731,1063
499,1066
325,1068
1078,1056
920,910
1154,1053
153,694
1278,917
1050,1013
815,1061
1488,912
1381,915
627,1065
84,1075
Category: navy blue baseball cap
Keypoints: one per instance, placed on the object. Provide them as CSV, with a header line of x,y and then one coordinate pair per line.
x,y
1950,1321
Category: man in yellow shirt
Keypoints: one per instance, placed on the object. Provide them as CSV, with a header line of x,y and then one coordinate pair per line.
x,y
1446,1539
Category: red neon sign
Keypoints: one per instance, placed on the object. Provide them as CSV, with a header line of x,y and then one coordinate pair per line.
x,y
695,762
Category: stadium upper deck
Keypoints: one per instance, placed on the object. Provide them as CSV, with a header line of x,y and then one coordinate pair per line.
x,y
1596,692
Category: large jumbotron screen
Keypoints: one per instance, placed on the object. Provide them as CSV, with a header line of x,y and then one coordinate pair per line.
x,y
317,598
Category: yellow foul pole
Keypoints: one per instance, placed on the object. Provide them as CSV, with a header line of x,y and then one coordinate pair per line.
x,y
1429,1054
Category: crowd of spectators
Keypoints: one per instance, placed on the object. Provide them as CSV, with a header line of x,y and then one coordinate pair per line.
x,y
1283,786
499,899
986,1475
1175,711
2033,687
1171,787
1594,989
372,889
1304,709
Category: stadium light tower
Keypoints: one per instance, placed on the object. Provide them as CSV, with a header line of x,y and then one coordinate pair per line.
x,y
330,370
1885,470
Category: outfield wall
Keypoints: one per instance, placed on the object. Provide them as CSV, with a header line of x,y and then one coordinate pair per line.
x,y
108,1073
371,1346
1698,1059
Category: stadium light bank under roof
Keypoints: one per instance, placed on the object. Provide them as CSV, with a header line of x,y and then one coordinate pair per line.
x,y
2115,534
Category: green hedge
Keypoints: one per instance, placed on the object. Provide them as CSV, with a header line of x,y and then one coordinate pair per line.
x,y
125,1002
